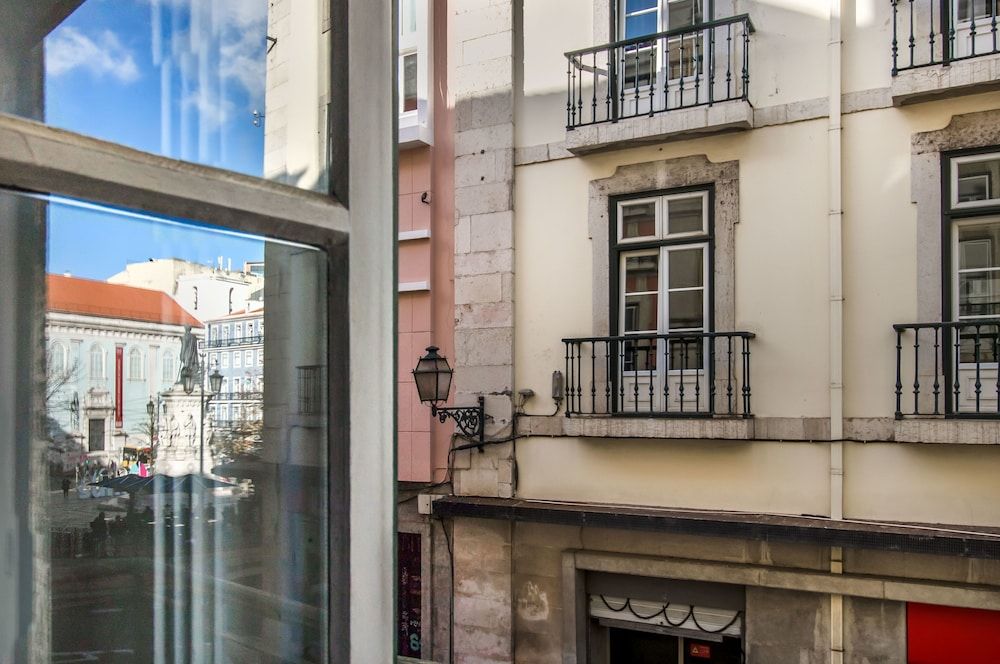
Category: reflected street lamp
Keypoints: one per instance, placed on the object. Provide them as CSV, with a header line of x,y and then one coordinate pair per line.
x,y
433,378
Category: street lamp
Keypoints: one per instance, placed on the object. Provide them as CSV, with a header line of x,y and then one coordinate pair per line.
x,y
188,376
433,378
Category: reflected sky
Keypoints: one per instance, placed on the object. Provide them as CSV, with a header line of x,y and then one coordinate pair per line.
x,y
180,78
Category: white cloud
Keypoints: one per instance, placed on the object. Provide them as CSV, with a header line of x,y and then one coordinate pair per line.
x,y
68,49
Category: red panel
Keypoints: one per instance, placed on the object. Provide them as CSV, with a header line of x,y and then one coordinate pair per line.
x,y
949,635
119,387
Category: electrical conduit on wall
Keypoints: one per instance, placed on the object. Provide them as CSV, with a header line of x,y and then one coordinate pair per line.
x,y
835,225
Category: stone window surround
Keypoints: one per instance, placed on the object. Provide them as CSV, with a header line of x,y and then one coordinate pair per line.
x,y
664,175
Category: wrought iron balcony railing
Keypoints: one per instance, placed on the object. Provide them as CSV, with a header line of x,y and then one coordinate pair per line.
x,y
933,32
681,374
682,68
953,366
239,396
235,341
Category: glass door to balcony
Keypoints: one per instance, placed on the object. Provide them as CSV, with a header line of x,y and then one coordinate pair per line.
x,y
664,292
662,73
974,24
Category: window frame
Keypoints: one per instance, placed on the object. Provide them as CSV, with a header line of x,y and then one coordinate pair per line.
x,y
619,248
134,353
42,161
953,216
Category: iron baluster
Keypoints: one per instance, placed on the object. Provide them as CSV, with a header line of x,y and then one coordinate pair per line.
x,y
652,79
895,40
593,377
979,383
972,37
569,406
899,378
666,376
711,66
635,376
684,361
609,76
912,41
729,60
579,92
729,375
711,376
573,93
993,25
916,371
607,378
666,74
649,367
958,342
697,378
937,384
696,59
680,76
746,58
621,371
746,376
593,101
930,6
569,94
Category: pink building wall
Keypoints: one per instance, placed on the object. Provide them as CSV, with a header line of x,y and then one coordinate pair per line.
x,y
426,316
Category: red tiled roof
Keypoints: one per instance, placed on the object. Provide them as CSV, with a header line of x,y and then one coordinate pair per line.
x,y
98,298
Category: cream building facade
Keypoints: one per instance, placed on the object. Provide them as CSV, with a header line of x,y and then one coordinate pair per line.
x,y
757,195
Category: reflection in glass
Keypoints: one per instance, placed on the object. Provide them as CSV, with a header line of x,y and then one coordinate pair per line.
x,y
685,215
639,220
686,309
978,180
687,268
188,522
410,82
641,273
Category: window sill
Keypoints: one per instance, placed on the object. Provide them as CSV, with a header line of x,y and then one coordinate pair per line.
x,y
667,126
965,77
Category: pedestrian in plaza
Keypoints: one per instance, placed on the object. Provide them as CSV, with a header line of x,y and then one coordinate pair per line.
x,y
65,488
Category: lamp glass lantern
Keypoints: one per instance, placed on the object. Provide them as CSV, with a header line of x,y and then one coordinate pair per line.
x,y
433,377
150,407
215,382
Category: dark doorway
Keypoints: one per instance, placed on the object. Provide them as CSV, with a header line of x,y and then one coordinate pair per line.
x,y
95,435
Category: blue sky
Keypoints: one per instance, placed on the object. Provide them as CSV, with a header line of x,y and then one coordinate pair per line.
x,y
174,77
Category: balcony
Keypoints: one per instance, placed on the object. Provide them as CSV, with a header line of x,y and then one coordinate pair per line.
x,y
251,340
947,384
676,385
658,87
943,48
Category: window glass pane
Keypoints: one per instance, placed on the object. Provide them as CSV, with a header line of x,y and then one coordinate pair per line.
x,y
682,13
982,9
638,220
639,355
686,309
641,273
197,80
686,268
407,17
978,294
685,56
686,353
685,215
978,181
409,100
640,313
177,536
632,6
639,25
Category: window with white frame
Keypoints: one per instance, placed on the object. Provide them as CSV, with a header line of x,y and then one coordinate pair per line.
x,y
414,72
97,368
135,364
681,56
248,358
169,372
225,359
663,257
239,331
58,361
260,357
237,356
973,230
237,385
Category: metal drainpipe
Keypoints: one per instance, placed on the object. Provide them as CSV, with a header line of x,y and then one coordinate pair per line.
x,y
836,359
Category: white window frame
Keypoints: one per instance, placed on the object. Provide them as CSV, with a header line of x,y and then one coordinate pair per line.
x,y
169,362
102,372
58,350
953,198
956,271
134,353
417,127
48,161
225,359
237,359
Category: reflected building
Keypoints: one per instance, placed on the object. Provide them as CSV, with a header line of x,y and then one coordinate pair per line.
x,y
234,347
112,349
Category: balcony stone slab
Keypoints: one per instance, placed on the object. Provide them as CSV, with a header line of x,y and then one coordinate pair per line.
x,y
939,430
735,428
671,125
964,77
